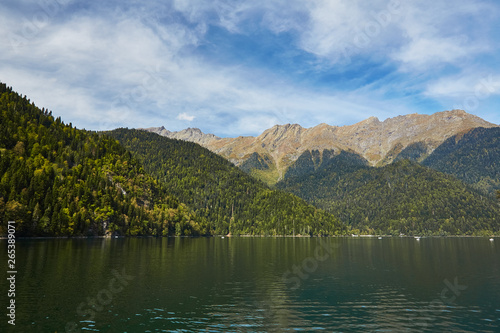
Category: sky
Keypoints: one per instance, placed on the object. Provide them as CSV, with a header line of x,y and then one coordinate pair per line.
x,y
239,67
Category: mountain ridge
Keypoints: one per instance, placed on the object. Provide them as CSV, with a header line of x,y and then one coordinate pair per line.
x,y
189,134
379,142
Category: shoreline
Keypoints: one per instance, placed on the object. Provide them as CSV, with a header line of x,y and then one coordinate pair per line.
x,y
252,236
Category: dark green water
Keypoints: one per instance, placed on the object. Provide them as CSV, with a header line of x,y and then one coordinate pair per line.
x,y
256,284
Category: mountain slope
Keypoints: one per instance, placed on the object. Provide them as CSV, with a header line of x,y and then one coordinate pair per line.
x,y
377,142
56,180
403,197
473,157
221,193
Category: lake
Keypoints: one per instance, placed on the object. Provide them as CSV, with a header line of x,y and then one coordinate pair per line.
x,y
256,284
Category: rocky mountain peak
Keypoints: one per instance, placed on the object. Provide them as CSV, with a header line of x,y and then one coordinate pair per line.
x,y
283,128
158,130
191,132
188,134
371,120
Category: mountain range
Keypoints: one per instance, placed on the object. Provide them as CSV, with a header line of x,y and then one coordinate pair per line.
x,y
413,174
424,174
270,155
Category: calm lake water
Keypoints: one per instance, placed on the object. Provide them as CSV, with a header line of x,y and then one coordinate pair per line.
x,y
256,284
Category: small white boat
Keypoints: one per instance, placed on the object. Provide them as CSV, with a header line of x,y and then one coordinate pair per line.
x,y
491,239
417,238
380,238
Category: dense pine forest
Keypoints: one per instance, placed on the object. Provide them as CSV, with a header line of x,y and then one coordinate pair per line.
x,y
401,198
221,194
473,157
60,181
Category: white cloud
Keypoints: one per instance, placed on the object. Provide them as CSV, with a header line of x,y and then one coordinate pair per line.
x,y
185,116
472,91
469,83
101,73
433,33
418,35
138,68
423,52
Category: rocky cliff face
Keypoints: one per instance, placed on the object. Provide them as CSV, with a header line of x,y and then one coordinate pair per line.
x,y
378,142
189,134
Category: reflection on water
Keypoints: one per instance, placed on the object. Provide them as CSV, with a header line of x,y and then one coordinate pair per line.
x,y
258,284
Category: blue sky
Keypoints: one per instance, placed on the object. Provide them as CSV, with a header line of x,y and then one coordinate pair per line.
x,y
239,67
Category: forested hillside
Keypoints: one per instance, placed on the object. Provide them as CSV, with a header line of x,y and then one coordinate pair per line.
x,y
473,157
56,180
222,194
310,162
403,197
